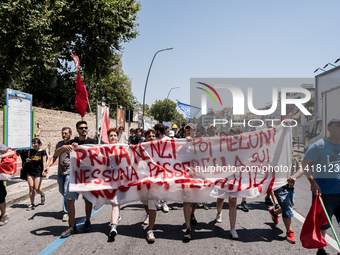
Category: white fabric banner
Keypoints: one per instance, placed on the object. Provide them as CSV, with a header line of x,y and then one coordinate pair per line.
x,y
177,170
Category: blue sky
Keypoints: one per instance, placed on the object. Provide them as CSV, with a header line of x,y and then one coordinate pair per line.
x,y
223,39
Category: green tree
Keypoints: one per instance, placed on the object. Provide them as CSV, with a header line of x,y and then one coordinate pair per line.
x,y
36,37
180,121
157,110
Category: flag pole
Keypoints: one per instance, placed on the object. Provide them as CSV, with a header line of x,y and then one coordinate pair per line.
x,y
88,101
101,127
77,63
329,221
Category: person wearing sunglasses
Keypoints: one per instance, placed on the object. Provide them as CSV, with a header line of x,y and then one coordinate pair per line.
x,y
82,130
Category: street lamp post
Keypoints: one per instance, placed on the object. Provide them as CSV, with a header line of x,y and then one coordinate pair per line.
x,y
146,83
166,102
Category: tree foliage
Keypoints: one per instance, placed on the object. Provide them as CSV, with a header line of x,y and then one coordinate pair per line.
x,y
157,110
36,37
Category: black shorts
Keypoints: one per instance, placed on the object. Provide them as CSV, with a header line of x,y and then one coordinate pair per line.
x,y
3,192
35,175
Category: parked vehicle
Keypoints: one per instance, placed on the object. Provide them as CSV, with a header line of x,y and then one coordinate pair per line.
x,y
330,109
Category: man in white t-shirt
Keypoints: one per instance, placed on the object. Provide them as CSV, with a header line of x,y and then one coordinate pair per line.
x,y
122,137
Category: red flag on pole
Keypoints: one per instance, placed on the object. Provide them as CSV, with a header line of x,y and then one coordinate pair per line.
x,y
81,96
105,127
76,60
81,93
310,236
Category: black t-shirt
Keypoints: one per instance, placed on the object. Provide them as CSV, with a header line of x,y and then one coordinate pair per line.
x,y
86,141
36,161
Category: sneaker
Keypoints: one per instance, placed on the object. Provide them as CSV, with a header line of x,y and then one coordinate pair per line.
x,y
205,207
87,226
69,231
321,252
30,207
274,216
244,206
150,236
119,219
4,219
113,231
65,218
165,207
290,236
268,201
218,217
146,221
233,234
276,206
43,198
159,205
193,220
187,235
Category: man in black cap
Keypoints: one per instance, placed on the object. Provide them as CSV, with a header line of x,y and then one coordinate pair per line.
x,y
321,164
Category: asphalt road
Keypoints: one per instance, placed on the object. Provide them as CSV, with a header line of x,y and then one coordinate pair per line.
x,y
36,231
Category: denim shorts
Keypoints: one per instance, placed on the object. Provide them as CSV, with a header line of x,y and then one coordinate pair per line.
x,y
72,195
332,205
286,199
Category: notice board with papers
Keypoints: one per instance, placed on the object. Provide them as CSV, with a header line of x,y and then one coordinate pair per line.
x,y
19,119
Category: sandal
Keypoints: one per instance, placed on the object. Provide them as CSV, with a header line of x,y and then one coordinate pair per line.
x,y
4,219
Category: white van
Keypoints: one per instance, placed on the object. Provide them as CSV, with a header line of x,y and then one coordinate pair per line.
x,y
314,135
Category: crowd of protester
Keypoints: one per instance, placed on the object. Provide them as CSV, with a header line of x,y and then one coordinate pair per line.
x,y
281,203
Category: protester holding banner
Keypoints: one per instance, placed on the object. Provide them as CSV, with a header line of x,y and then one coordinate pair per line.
x,y
82,130
200,132
219,202
150,205
232,201
161,135
189,208
36,170
285,196
63,168
112,134
321,164
236,132
4,217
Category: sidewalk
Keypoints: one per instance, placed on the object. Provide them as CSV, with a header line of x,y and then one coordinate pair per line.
x,y
17,189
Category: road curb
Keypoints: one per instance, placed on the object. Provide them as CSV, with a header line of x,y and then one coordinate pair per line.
x,y
21,197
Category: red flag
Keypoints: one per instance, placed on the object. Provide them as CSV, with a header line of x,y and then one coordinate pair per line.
x,y
105,127
76,60
81,96
310,236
